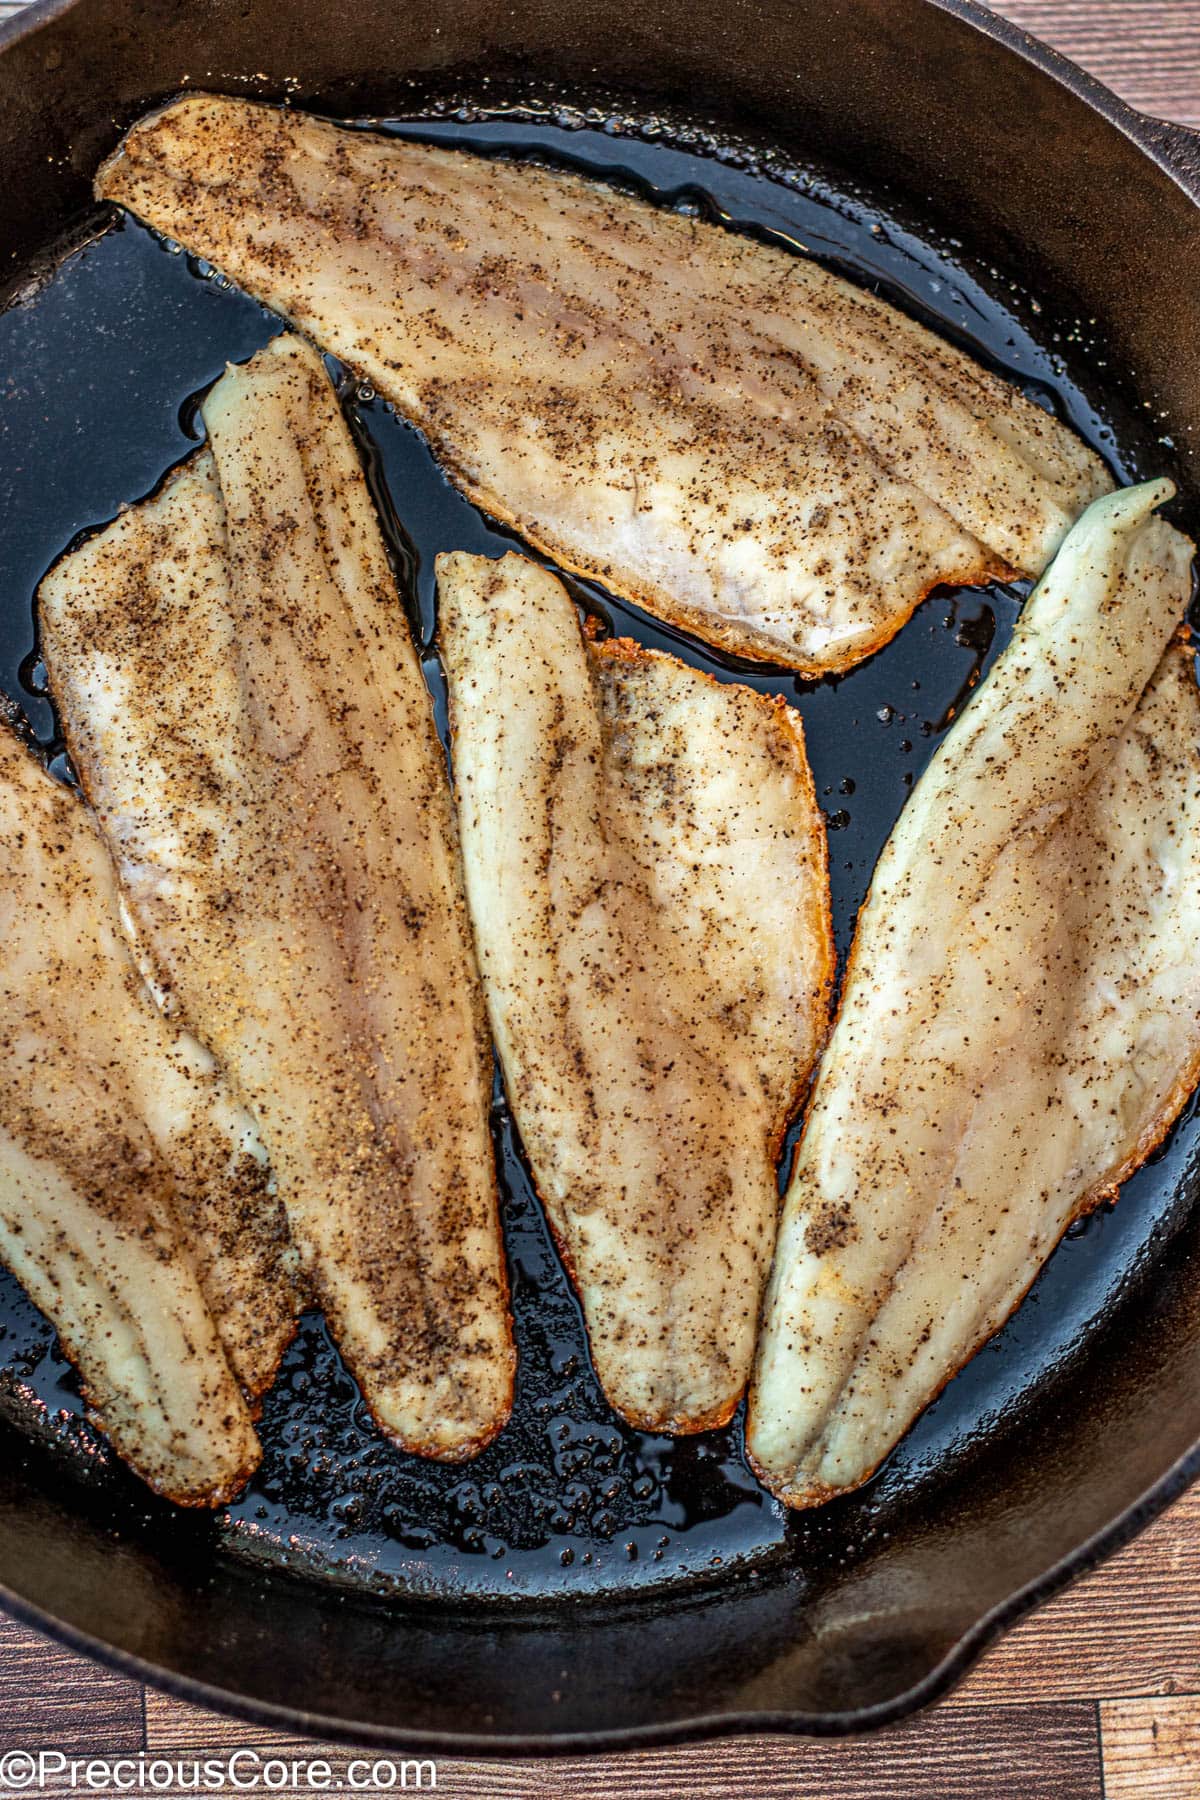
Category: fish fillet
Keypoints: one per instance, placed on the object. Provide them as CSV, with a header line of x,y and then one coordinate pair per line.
x,y
1021,1018
120,1157
717,429
247,712
647,880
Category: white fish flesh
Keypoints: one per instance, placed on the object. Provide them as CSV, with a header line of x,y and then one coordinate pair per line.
x,y
646,873
1020,1024
247,712
714,427
132,1197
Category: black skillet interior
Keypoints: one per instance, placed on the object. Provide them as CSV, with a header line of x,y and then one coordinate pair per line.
x,y
582,1578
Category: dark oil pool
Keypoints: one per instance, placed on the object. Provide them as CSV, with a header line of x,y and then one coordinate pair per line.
x,y
101,365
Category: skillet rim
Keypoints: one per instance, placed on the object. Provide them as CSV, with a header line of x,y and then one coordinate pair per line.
x,y
1175,150
703,1727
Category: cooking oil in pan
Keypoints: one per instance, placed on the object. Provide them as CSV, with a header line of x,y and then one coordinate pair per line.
x,y
102,366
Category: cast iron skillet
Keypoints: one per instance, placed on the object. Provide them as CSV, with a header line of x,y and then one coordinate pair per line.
x,y
674,1599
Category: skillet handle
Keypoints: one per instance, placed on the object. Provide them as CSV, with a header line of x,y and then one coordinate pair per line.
x,y
1177,148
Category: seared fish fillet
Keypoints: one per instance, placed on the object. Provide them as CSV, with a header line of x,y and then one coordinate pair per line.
x,y
247,712
120,1157
717,429
646,874
1021,1017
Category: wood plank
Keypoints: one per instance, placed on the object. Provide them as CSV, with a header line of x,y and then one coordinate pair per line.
x,y
1152,1748
173,1724
951,1753
52,1699
1131,1628
1147,50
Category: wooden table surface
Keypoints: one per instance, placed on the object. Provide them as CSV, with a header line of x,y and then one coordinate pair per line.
x,y
1098,1694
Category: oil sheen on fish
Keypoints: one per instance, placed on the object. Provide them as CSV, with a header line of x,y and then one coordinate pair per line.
x,y
246,709
714,427
646,873
1021,1018
120,1159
